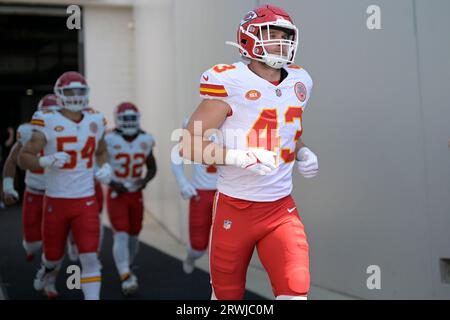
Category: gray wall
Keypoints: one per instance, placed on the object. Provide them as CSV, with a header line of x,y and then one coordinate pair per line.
x,y
378,120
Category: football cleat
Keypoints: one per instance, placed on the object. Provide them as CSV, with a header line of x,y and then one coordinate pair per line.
x,y
50,289
41,278
129,284
188,265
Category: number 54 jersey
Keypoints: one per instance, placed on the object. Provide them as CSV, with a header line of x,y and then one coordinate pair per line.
x,y
127,158
80,140
264,115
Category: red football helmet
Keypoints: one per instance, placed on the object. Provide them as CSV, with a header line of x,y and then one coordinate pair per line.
x,y
251,43
72,91
127,118
48,102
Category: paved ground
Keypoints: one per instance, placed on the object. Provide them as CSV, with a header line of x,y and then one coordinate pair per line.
x,y
160,275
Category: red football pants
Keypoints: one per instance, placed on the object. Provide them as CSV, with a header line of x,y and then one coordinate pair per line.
x,y
78,215
99,195
200,217
277,232
32,216
126,212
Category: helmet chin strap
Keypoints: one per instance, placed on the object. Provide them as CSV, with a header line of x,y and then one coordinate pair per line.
x,y
73,108
269,60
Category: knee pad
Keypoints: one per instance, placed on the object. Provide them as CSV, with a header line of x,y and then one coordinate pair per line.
x,y
90,264
299,282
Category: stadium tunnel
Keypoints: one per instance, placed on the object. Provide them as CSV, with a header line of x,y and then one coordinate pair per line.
x,y
36,48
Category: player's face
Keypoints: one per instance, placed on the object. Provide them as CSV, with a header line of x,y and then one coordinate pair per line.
x,y
275,35
75,92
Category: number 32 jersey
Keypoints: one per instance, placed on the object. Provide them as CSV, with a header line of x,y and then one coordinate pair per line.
x,y
263,115
80,140
127,158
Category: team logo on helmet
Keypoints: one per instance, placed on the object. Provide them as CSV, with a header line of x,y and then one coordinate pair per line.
x,y
300,91
249,16
93,126
58,128
253,95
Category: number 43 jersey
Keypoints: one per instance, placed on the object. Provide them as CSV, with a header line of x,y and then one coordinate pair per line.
x,y
80,140
264,115
127,158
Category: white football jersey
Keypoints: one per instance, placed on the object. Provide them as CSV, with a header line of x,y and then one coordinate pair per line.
x,y
263,115
34,179
127,158
204,177
80,140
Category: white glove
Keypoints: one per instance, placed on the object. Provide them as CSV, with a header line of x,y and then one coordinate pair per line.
x,y
258,161
56,160
188,191
308,164
104,174
8,187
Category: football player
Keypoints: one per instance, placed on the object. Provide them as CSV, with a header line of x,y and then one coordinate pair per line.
x,y
258,108
200,194
72,140
130,150
33,196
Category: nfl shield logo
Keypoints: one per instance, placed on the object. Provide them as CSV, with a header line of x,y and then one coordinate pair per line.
x,y
227,224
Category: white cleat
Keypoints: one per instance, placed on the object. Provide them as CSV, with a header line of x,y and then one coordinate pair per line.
x,y
50,291
130,285
188,265
41,278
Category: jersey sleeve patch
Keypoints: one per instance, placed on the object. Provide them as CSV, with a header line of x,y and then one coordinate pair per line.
x,y
37,122
213,90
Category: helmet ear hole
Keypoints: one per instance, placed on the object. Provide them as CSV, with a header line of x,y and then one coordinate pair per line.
x,y
244,41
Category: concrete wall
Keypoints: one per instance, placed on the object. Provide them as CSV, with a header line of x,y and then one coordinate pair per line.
x,y
378,120
381,195
109,57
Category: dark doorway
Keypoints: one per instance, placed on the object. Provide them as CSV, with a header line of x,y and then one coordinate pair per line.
x,y
36,47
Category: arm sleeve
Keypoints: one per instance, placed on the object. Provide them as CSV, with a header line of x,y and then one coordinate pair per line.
x,y
39,122
24,133
213,86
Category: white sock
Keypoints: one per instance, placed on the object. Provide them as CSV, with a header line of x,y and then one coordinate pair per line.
x,y
90,276
194,254
285,297
51,265
32,247
120,253
133,246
